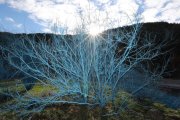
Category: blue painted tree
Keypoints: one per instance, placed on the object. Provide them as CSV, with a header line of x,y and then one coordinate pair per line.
x,y
84,69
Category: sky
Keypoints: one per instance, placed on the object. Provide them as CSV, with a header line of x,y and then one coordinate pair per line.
x,y
65,16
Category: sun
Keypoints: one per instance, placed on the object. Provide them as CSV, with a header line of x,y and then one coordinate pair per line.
x,y
94,30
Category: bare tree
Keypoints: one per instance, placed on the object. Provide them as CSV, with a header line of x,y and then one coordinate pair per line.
x,y
88,69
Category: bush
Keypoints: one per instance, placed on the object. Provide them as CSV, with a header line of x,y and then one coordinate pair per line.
x,y
84,69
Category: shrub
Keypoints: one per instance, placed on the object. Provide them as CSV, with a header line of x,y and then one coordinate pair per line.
x,y
84,69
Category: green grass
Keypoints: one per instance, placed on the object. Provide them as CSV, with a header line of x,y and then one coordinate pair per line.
x,y
40,90
11,86
136,109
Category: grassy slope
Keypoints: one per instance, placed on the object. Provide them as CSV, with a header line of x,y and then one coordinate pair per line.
x,y
137,109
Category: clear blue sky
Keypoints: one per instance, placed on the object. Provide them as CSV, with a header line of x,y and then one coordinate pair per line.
x,y
40,15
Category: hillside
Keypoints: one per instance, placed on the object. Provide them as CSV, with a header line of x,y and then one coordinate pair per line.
x,y
140,92
158,31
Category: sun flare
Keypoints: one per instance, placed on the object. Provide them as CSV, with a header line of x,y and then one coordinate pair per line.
x,y
94,30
